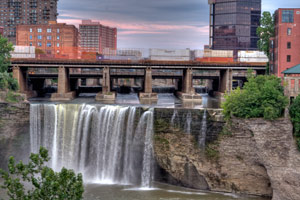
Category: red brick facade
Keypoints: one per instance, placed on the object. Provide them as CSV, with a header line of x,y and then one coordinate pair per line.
x,y
53,39
285,47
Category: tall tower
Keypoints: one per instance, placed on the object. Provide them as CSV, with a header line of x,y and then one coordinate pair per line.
x,y
25,12
233,24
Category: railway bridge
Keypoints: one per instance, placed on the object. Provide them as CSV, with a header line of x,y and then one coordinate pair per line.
x,y
31,73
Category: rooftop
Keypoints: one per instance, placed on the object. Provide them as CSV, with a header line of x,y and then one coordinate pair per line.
x,y
292,70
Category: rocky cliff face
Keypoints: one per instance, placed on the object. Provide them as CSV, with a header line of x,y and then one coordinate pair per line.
x,y
14,132
255,157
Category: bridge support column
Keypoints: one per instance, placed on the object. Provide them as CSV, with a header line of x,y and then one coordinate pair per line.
x,y
106,94
148,96
63,89
188,92
225,83
20,76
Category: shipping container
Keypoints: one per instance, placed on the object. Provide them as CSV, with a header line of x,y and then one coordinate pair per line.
x,y
24,49
170,58
218,53
215,59
107,57
251,54
22,55
253,60
169,53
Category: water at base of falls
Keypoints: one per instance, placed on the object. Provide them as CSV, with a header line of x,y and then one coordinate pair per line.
x,y
103,143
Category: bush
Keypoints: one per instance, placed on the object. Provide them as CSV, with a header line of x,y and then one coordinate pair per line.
x,y
295,118
44,182
262,96
7,82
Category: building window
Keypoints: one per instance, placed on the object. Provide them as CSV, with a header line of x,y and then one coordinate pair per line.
x,y
289,31
288,58
49,30
39,37
57,44
39,44
39,30
49,37
48,44
57,37
287,16
58,30
289,45
30,44
30,30
30,37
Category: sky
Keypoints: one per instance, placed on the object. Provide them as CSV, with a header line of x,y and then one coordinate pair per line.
x,y
169,24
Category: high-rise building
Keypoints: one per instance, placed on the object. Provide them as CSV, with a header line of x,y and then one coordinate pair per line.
x,y
285,46
15,12
56,39
94,37
233,24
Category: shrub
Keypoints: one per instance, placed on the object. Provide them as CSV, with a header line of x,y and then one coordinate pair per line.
x,y
295,118
7,82
44,182
262,96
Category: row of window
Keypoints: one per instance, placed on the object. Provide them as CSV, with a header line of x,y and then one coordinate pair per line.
x,y
40,30
40,37
49,44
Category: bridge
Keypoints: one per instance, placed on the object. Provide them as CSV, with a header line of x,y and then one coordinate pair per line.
x,y
68,72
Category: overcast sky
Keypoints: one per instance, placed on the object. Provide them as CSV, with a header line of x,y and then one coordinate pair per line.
x,y
176,24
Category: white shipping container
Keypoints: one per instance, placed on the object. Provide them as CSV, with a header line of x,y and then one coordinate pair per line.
x,y
170,58
170,53
251,54
199,53
253,60
24,49
22,55
208,53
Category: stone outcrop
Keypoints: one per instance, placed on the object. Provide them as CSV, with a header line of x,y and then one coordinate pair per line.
x,y
256,157
14,132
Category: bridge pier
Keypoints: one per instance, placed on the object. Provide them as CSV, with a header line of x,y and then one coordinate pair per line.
x,y
148,96
106,94
225,83
20,75
188,92
63,89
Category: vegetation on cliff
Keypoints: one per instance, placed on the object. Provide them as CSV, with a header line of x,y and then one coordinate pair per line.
x,y
44,183
295,117
262,96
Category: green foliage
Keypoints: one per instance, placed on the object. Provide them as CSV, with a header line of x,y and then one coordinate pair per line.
x,y
211,151
12,97
265,32
295,117
262,96
5,49
161,140
7,82
161,126
45,184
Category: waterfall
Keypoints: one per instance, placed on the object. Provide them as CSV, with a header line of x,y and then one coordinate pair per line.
x,y
187,125
175,114
202,136
102,142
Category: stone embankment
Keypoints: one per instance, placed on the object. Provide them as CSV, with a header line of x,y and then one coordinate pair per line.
x,y
14,132
255,157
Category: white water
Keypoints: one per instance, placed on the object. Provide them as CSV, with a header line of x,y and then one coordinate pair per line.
x,y
100,142
187,126
202,136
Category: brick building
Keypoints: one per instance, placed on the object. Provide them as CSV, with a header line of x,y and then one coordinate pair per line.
x,y
15,12
1,30
53,39
285,46
94,37
292,80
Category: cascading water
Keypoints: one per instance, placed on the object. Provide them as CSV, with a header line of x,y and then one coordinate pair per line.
x,y
187,126
100,142
202,136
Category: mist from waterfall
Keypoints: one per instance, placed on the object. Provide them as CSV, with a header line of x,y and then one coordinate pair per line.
x,y
107,144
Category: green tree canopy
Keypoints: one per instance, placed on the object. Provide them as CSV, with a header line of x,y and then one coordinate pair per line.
x,y
265,31
5,49
295,118
262,96
44,183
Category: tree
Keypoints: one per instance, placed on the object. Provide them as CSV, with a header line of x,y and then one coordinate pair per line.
x,y
295,118
44,183
5,49
262,96
265,31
